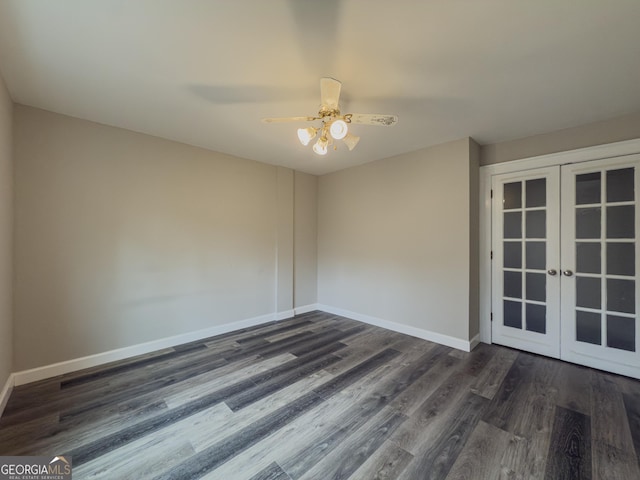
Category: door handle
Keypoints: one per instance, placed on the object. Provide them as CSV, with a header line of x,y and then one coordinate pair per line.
x,y
567,273
552,272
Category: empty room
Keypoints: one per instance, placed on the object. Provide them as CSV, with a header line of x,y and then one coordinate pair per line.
x,y
339,239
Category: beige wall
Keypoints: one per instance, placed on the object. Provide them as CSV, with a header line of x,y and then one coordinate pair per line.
x,y
6,235
284,251
608,131
474,238
123,238
394,239
306,240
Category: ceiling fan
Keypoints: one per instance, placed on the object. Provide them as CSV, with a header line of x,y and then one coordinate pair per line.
x,y
334,125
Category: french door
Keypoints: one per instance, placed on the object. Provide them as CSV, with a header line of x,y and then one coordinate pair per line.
x,y
566,261
526,255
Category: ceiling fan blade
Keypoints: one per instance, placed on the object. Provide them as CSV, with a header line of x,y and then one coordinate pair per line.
x,y
329,93
373,119
351,140
289,119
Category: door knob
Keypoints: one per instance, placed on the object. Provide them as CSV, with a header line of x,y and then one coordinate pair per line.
x,y
552,272
567,273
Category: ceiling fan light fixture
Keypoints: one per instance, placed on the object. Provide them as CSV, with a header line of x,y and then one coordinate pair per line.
x,y
338,129
334,124
320,147
305,135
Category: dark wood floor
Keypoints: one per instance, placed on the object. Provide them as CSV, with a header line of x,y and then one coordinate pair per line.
x,y
323,397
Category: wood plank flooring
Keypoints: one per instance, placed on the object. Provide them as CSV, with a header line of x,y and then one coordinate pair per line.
x,y
324,397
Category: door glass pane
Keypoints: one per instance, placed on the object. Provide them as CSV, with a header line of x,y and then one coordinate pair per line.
x,y
621,295
620,185
536,318
513,284
588,188
536,255
536,224
513,225
588,327
597,262
536,193
588,222
621,333
537,287
621,259
512,252
621,221
588,257
512,195
588,292
512,314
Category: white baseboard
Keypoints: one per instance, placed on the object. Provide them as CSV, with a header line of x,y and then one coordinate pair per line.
x,y
5,393
60,368
452,342
48,371
306,308
285,314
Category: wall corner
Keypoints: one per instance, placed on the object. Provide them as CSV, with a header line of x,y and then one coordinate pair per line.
x,y
474,238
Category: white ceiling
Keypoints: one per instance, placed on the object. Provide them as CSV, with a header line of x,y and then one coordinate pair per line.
x,y
205,72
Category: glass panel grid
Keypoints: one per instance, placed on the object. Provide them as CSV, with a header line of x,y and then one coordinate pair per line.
x,y
589,258
621,295
512,272
620,185
536,223
513,284
621,258
512,314
512,254
621,333
620,221
589,327
524,262
536,318
536,193
588,222
605,252
619,261
512,225
536,286
588,188
589,292
535,254
512,195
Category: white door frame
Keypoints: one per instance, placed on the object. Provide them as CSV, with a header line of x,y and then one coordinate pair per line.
x,y
598,152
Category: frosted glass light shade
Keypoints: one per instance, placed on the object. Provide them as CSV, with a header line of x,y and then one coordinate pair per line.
x,y
338,129
320,147
306,134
